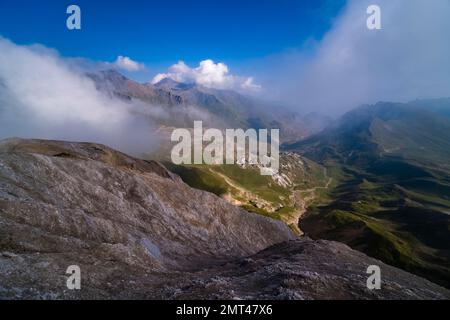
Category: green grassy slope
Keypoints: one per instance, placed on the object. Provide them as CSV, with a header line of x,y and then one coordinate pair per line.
x,y
391,197
247,188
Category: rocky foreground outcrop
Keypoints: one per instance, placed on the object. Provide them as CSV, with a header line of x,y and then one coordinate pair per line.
x,y
137,231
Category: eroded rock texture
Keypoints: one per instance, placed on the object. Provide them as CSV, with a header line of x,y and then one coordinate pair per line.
x,y
137,231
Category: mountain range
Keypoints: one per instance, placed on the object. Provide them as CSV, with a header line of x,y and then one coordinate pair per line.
x,y
176,104
376,178
391,198
369,188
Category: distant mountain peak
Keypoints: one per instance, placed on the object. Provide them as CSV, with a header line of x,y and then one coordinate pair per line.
x,y
112,74
170,84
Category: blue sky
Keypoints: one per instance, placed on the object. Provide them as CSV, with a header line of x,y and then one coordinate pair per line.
x,y
159,33
313,55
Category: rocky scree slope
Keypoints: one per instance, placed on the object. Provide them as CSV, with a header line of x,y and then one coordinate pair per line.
x,y
137,231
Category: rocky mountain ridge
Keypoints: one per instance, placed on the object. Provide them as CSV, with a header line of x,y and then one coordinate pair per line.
x,y
137,231
391,192
186,102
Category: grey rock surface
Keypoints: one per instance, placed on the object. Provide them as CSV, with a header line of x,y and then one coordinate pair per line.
x,y
137,231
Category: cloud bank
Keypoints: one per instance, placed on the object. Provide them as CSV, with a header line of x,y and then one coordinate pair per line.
x,y
43,96
208,74
352,65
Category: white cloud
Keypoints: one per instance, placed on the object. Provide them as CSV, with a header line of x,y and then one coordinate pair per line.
x,y
407,59
159,77
127,64
208,74
250,85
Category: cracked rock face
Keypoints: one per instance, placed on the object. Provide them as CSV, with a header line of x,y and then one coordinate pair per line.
x,y
136,231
